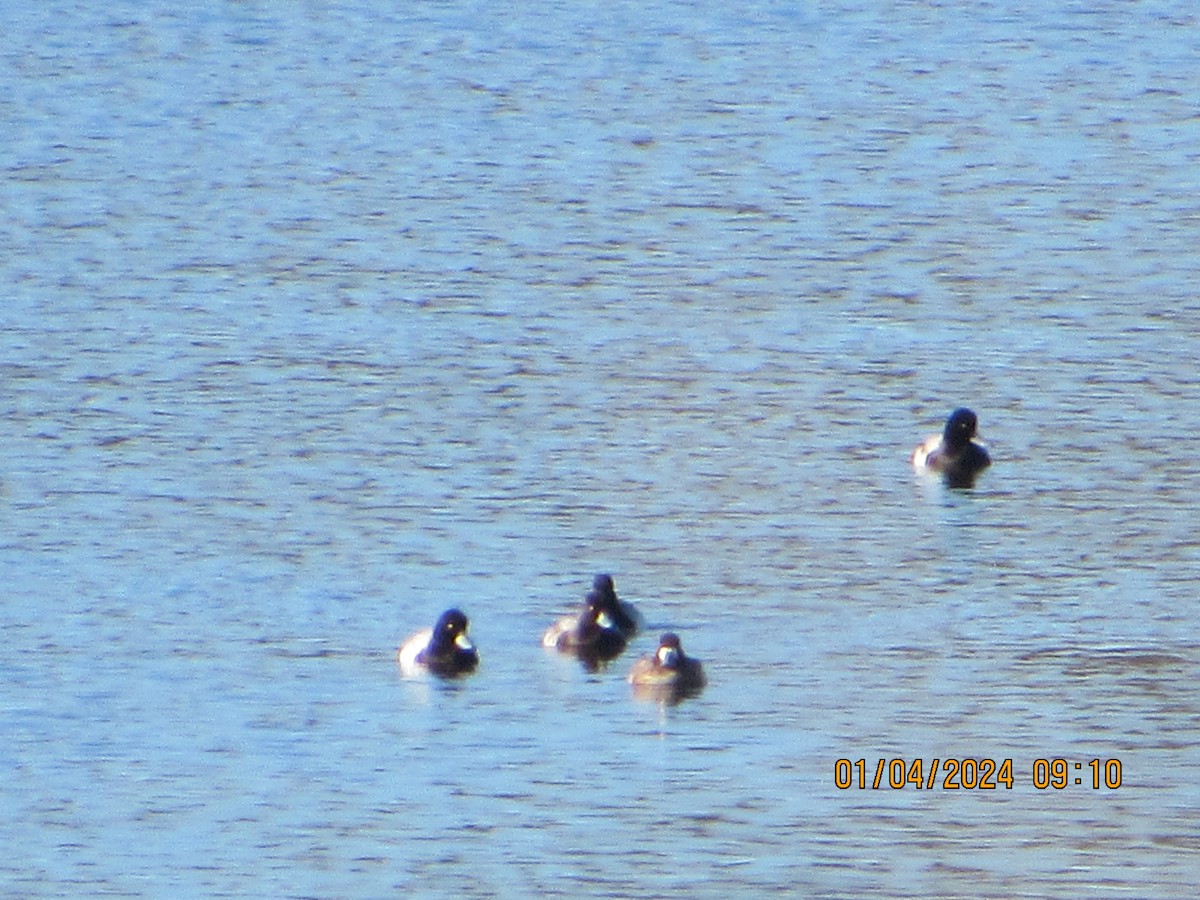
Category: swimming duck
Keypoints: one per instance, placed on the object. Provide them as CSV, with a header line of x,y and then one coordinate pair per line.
x,y
600,603
668,670
624,615
954,453
443,649
591,634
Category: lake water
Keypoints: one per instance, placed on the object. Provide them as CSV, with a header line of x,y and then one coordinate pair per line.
x,y
320,318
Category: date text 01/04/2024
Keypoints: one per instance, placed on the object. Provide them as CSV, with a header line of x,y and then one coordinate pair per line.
x,y
983,774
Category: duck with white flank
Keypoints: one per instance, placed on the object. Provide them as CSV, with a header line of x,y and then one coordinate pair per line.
x,y
955,453
443,649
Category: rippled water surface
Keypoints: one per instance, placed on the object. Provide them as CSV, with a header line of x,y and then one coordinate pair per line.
x,y
320,318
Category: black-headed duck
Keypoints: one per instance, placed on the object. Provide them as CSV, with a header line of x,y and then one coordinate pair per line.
x,y
444,649
625,615
955,453
591,634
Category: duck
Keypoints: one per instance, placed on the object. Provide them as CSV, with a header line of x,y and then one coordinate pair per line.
x,y
954,453
600,606
591,634
668,670
443,649
625,615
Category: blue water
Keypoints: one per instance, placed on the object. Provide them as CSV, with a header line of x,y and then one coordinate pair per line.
x,y
320,318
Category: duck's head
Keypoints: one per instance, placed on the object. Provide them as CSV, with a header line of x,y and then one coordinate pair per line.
x,y
603,584
960,427
451,630
596,614
669,652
